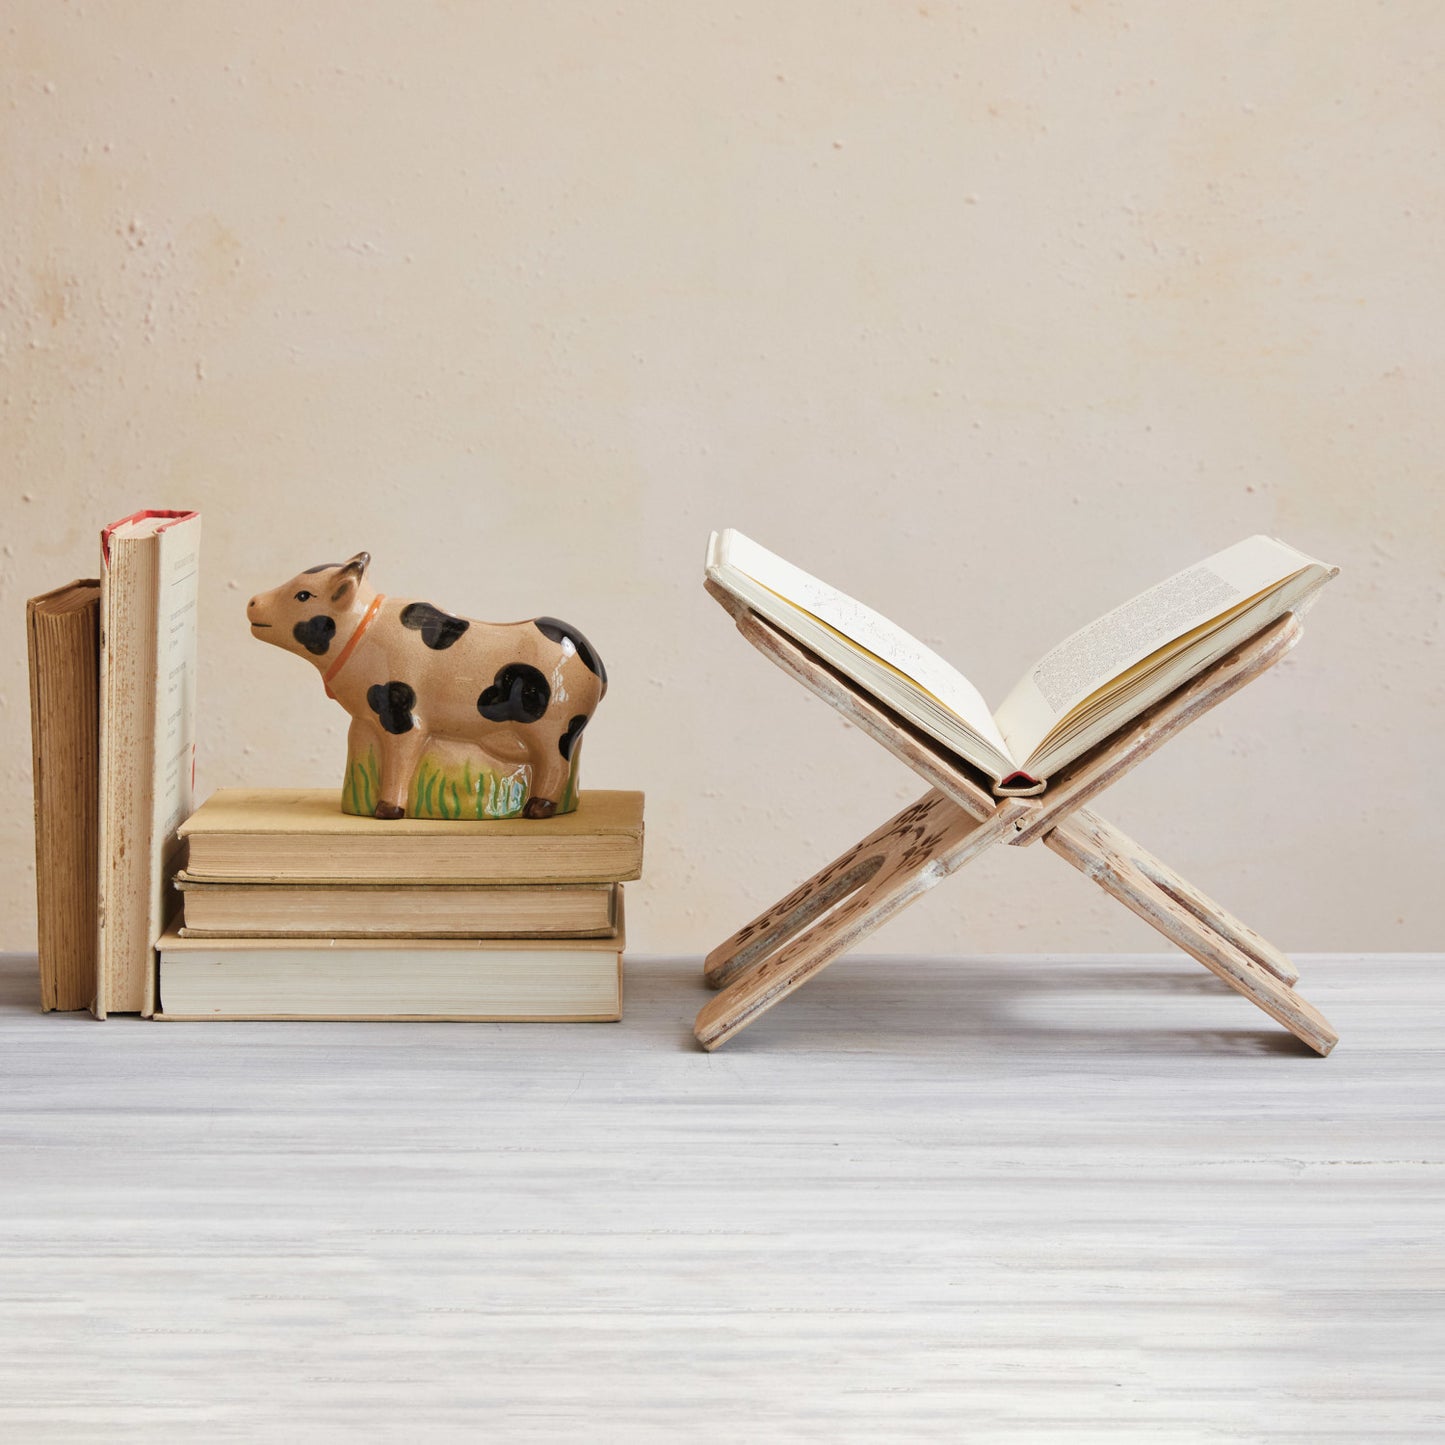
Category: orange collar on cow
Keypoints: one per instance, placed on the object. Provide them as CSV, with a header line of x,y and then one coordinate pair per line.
x,y
368,617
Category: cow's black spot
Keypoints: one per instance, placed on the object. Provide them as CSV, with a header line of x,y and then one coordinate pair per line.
x,y
392,703
315,634
438,629
555,631
518,694
324,567
572,736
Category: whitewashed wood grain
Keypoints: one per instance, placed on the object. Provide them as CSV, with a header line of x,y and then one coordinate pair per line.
x,y
782,948
935,1200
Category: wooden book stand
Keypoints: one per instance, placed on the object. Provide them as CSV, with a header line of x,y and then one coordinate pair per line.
x,y
958,818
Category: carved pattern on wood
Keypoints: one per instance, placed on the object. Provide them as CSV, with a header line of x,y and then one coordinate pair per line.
x,y
958,819
829,914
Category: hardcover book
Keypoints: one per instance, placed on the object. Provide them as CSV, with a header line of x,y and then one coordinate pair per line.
x,y
402,910
147,741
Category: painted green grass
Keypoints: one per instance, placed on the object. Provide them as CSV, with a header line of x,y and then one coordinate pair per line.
x,y
450,792
362,788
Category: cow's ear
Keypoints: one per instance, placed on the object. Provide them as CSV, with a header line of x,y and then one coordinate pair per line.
x,y
348,576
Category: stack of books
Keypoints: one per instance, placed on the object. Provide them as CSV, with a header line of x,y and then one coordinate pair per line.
x,y
294,909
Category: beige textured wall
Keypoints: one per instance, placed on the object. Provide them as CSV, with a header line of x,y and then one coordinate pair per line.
x,y
991,313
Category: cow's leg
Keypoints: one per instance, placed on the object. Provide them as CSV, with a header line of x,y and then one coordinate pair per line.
x,y
549,778
364,743
400,753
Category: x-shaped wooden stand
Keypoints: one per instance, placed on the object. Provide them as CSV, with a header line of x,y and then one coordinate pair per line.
x,y
958,818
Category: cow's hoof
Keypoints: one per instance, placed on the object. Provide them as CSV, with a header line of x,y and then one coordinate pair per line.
x,y
539,808
388,810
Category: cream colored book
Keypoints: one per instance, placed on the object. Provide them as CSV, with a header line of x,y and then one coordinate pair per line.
x,y
403,910
294,835
148,593
63,632
513,980
1076,695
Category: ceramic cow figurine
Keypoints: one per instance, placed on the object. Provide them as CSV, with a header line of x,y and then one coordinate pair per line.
x,y
450,717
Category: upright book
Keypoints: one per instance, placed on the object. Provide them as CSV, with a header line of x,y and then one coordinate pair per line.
x,y
294,835
149,565
63,636
1076,695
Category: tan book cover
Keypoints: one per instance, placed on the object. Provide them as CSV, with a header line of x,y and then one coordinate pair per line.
x,y
147,741
63,636
301,834
477,980
404,910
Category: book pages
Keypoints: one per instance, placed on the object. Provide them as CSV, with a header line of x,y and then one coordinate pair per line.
x,y
63,629
281,835
855,626
1107,649
177,567
556,980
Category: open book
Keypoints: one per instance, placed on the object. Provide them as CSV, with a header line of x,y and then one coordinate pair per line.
x,y
1073,697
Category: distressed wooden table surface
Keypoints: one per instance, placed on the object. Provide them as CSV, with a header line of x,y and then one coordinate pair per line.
x,y
993,1199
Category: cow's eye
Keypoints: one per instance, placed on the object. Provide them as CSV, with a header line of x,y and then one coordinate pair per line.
x,y
304,595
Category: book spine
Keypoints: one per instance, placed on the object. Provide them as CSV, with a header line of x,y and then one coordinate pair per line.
x,y
62,647
105,887
128,669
